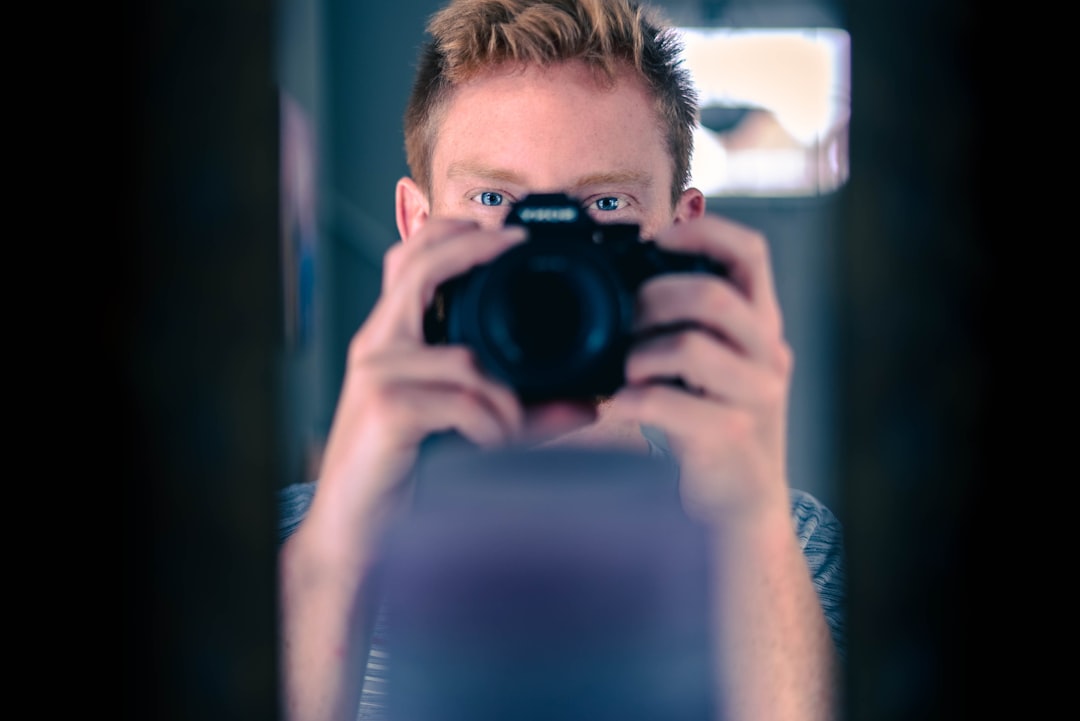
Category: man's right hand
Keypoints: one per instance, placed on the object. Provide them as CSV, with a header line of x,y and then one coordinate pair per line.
x,y
398,389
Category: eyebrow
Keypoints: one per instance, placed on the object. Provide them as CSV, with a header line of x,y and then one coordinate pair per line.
x,y
469,169
617,177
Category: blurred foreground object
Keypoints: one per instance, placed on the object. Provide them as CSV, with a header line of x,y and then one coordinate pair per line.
x,y
548,584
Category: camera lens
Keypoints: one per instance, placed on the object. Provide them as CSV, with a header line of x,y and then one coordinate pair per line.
x,y
548,318
541,317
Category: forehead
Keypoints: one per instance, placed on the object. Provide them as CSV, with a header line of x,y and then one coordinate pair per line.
x,y
541,120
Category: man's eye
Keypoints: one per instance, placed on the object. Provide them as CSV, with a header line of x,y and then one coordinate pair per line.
x,y
609,203
491,198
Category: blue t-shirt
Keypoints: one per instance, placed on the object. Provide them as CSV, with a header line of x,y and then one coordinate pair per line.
x,y
817,528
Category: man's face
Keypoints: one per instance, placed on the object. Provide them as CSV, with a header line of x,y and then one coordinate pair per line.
x,y
515,131
509,133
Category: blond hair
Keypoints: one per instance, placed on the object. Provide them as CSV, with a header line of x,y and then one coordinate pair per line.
x,y
469,36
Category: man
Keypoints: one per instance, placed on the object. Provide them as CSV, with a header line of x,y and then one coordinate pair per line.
x,y
584,97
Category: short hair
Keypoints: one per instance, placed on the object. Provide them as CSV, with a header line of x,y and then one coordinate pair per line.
x,y
470,36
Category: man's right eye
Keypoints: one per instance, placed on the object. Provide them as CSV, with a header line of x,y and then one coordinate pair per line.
x,y
490,198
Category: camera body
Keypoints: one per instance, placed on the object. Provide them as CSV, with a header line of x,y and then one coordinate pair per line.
x,y
553,316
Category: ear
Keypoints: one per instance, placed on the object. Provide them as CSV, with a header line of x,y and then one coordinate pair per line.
x,y
691,205
411,206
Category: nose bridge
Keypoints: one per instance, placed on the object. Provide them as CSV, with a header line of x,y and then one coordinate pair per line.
x,y
556,171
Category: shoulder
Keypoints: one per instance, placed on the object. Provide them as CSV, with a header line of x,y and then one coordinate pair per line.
x,y
812,518
820,535
293,502
821,538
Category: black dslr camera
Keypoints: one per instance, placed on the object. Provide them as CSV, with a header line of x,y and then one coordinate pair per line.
x,y
553,316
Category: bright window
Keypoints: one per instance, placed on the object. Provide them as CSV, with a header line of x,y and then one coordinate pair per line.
x,y
775,106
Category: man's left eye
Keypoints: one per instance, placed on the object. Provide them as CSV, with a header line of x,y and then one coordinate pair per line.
x,y
608,203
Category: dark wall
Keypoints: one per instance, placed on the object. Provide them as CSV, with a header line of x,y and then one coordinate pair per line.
x,y
917,273
196,302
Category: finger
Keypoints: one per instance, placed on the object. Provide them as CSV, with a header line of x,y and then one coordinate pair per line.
x,y
432,408
435,230
700,429
450,367
743,250
704,365
469,239
727,457
412,284
679,413
677,301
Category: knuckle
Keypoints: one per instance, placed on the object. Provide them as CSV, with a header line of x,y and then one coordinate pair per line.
x,y
457,357
393,253
392,259
357,349
758,245
721,297
784,356
741,427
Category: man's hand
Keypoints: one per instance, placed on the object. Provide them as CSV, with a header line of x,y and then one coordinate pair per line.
x,y
723,339
398,389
